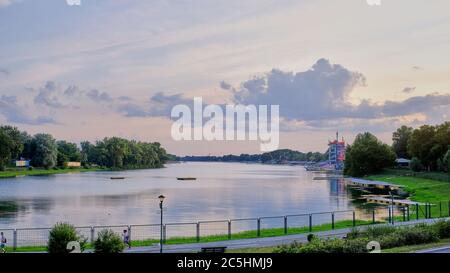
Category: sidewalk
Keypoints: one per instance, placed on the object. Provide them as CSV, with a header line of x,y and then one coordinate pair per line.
x,y
262,242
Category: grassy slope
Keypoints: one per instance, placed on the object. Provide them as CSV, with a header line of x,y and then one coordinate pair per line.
x,y
422,190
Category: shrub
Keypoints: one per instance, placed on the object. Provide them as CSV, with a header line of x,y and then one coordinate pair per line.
x,y
311,237
415,165
416,235
443,229
60,235
30,168
356,246
108,242
290,248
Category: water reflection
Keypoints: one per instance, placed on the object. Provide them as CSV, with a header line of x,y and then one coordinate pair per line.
x,y
221,191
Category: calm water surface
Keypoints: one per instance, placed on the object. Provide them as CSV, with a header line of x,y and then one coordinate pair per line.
x,y
221,191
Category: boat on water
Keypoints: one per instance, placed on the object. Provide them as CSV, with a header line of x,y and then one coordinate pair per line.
x,y
186,178
117,177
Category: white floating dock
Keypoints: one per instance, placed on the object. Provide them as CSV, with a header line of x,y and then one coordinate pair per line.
x,y
397,202
372,184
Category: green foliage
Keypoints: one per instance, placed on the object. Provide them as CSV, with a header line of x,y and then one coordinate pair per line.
x,y
5,150
443,229
368,155
60,235
67,152
45,151
430,143
400,140
446,161
108,242
415,165
16,146
122,153
326,246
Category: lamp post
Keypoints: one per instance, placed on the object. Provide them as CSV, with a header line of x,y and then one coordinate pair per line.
x,y
161,200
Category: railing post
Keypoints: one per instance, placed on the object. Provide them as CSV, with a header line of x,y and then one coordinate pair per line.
x,y
417,211
310,223
198,231
354,219
92,235
15,239
389,209
129,234
448,208
408,215
285,225
404,214
440,209
164,233
258,227
373,216
229,229
429,211
332,220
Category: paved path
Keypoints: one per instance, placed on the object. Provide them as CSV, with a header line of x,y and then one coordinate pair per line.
x,y
443,249
260,242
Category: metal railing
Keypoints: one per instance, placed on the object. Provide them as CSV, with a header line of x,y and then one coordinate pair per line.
x,y
237,228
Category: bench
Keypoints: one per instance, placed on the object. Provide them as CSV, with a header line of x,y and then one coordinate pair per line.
x,y
215,249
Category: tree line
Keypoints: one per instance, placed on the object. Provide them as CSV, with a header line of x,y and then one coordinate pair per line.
x,y
43,150
277,156
428,148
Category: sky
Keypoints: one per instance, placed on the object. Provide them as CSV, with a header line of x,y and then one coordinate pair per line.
x,y
116,68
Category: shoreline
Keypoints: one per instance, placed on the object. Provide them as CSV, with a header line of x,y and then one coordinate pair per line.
x,y
43,172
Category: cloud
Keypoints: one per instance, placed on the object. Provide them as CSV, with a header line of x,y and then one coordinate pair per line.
x,y
48,95
322,93
15,113
4,71
98,96
4,3
408,90
159,105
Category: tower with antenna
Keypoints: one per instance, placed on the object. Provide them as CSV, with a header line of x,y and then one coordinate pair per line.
x,y
336,152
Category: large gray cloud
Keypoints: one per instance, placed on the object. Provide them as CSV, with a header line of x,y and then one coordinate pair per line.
x,y
322,93
15,113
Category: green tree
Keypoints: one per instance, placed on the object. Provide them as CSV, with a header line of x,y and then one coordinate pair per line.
x,y
67,152
415,165
446,161
368,155
60,235
45,151
6,145
422,145
400,140
16,140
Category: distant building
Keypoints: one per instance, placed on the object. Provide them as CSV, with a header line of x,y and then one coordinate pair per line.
x,y
336,153
402,162
22,163
73,164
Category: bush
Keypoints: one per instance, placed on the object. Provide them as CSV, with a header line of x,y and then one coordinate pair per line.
x,y
311,237
326,246
60,235
415,165
108,242
443,229
30,168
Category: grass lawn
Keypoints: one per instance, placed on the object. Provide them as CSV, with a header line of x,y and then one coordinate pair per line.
x,y
10,173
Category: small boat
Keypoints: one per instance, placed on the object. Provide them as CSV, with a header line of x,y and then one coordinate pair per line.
x,y
117,177
186,178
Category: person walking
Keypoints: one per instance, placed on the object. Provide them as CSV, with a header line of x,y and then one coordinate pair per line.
x,y
126,238
3,242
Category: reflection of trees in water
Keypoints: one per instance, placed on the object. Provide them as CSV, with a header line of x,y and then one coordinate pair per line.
x,y
10,210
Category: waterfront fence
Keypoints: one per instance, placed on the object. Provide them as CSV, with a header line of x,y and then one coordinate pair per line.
x,y
147,234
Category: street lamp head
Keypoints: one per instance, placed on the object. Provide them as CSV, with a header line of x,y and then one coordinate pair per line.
x,y
161,198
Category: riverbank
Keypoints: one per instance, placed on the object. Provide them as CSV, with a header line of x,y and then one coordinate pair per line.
x,y
11,173
420,189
